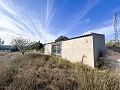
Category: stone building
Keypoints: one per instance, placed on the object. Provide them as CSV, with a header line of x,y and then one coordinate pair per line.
x,y
85,49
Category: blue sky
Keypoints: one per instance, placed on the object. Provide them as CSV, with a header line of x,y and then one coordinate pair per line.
x,y
45,20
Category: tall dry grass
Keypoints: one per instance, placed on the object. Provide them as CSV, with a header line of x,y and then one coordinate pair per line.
x,y
34,71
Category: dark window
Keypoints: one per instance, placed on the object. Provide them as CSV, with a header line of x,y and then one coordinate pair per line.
x,y
56,49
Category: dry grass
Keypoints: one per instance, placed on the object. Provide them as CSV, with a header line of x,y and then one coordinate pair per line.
x,y
35,71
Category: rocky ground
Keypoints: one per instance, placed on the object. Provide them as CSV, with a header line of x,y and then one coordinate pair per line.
x,y
110,55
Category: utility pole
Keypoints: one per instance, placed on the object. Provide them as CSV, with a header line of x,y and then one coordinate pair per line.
x,y
116,27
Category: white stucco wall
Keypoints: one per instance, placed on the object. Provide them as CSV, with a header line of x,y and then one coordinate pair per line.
x,y
47,48
76,49
84,49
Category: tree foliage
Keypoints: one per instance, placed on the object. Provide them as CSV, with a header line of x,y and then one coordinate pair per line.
x,y
21,44
61,38
14,48
37,46
1,41
112,43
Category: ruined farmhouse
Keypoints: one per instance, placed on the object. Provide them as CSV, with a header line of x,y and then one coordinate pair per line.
x,y
86,48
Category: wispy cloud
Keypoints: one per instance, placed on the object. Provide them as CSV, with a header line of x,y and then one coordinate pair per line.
x,y
116,10
80,13
17,22
105,28
77,17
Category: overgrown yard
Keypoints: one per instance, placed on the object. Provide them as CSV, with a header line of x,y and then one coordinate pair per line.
x,y
34,71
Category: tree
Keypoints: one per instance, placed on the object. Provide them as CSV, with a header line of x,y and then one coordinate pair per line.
x,y
37,46
14,48
112,43
61,38
1,41
21,44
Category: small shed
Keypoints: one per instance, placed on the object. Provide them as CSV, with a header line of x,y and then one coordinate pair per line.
x,y
85,48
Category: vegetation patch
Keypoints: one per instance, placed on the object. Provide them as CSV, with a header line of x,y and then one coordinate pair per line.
x,y
34,71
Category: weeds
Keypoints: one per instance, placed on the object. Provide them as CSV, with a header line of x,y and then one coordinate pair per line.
x,y
35,71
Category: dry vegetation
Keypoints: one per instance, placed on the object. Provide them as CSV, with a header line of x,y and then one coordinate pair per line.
x,y
34,71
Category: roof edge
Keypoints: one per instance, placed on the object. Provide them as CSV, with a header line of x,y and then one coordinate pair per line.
x,y
76,37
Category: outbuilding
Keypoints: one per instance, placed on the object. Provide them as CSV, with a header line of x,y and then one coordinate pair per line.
x,y
85,48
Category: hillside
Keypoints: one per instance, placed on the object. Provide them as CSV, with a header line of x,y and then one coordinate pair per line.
x,y
34,71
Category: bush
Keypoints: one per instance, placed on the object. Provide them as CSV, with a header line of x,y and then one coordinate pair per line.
x,y
112,43
14,49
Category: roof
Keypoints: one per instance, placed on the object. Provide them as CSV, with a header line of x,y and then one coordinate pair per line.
x,y
77,37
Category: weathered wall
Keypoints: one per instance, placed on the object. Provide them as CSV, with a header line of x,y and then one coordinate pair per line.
x,y
99,45
79,50
47,49
84,49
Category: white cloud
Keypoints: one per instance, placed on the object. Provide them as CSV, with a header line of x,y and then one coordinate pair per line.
x,y
108,31
15,22
81,12
105,28
76,18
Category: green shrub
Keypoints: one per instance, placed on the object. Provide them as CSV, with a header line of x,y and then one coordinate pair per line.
x,y
112,43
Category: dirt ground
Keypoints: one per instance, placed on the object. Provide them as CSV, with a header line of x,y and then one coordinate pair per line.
x,y
115,48
2,53
110,55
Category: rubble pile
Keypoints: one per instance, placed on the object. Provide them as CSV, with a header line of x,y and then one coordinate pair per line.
x,y
108,54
